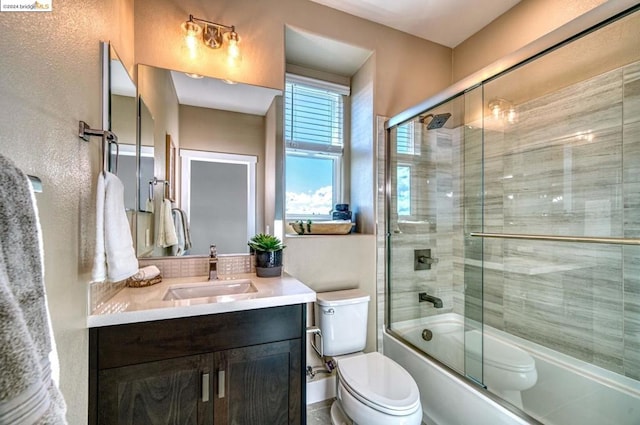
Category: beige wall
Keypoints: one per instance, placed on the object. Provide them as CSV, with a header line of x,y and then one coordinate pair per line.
x,y
214,130
123,119
523,24
361,147
408,68
51,79
332,263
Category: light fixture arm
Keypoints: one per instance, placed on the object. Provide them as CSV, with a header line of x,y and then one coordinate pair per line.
x,y
228,28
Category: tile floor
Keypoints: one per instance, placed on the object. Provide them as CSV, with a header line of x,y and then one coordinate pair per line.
x,y
319,413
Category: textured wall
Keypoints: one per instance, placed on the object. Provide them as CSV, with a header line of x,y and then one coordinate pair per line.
x,y
523,24
51,78
408,70
361,148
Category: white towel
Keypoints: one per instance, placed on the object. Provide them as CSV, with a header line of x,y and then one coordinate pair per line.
x,y
166,230
115,258
178,249
28,394
145,273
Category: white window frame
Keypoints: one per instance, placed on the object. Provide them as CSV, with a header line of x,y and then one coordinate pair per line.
x,y
324,151
249,161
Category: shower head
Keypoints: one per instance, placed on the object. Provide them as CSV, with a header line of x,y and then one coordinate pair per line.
x,y
437,121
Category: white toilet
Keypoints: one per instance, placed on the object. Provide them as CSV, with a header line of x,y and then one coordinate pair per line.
x,y
372,389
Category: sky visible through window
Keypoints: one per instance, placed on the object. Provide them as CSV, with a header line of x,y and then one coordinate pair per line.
x,y
309,182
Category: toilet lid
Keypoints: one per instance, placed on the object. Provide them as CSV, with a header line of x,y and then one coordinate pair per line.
x,y
379,382
497,353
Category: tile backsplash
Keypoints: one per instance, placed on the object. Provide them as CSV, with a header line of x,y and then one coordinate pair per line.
x,y
173,267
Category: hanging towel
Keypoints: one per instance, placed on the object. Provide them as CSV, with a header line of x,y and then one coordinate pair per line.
x,y
166,229
115,258
28,394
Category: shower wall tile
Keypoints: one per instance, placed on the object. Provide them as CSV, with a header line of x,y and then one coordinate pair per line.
x,y
568,166
631,94
631,258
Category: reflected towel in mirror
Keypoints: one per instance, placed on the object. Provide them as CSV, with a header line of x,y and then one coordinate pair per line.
x,y
166,229
182,231
115,259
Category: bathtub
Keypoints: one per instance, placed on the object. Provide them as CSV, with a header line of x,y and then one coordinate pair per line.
x,y
567,391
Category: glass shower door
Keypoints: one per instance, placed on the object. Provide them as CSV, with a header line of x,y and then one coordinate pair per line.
x,y
427,271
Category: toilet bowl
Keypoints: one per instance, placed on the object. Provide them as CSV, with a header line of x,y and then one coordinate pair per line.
x,y
375,390
507,370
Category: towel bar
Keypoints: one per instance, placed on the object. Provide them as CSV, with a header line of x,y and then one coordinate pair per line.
x,y
108,138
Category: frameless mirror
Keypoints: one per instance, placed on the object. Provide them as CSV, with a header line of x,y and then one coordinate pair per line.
x,y
210,145
122,119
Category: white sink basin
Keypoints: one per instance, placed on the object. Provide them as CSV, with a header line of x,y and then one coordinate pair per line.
x,y
226,290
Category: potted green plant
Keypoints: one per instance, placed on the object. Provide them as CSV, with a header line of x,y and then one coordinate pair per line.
x,y
268,252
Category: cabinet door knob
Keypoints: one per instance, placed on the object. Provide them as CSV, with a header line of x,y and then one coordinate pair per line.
x,y
221,384
205,387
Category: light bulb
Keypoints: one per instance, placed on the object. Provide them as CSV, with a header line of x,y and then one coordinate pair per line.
x,y
495,110
234,57
192,32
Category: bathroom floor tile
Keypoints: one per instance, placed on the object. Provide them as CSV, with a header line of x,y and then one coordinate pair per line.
x,y
319,413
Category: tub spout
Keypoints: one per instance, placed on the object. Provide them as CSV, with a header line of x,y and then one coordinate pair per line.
x,y
437,302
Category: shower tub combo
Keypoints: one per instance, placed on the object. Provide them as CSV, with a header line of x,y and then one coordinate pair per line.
x,y
512,247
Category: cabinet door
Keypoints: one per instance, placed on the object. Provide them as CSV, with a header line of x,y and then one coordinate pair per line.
x,y
166,392
258,385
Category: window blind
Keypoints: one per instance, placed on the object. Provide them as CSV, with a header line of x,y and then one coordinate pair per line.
x,y
405,138
313,118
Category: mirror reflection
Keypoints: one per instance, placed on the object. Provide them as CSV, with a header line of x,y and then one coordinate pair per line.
x,y
122,107
206,143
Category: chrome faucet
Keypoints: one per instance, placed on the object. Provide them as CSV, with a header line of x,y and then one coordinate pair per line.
x,y
437,302
213,262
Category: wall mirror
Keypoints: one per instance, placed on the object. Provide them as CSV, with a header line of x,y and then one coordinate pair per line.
x,y
122,121
209,144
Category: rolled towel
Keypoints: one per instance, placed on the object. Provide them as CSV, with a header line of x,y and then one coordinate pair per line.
x,y
145,273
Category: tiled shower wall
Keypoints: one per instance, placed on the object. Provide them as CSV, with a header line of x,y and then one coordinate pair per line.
x,y
570,165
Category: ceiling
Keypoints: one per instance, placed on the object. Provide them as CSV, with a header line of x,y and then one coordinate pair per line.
x,y
446,22
218,94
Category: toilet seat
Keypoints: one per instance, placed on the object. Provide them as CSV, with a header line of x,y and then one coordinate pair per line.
x,y
379,383
497,354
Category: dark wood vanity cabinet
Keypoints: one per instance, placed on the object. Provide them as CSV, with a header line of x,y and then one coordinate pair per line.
x,y
241,368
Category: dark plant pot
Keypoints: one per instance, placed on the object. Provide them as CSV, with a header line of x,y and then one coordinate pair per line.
x,y
268,264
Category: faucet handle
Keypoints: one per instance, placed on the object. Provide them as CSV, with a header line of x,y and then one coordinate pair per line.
x,y
213,251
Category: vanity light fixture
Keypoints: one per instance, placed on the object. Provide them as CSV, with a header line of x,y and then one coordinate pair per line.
x,y
213,35
502,109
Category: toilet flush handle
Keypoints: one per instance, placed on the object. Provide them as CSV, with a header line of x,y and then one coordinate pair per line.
x,y
329,311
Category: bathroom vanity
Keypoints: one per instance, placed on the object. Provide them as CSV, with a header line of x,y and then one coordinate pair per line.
x,y
210,360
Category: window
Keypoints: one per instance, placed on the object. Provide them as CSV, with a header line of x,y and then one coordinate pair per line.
x,y
405,148
314,138
404,190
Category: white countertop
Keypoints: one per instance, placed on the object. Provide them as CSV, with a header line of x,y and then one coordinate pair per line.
x,y
132,305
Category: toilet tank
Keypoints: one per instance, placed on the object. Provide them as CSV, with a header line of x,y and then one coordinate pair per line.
x,y
342,319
